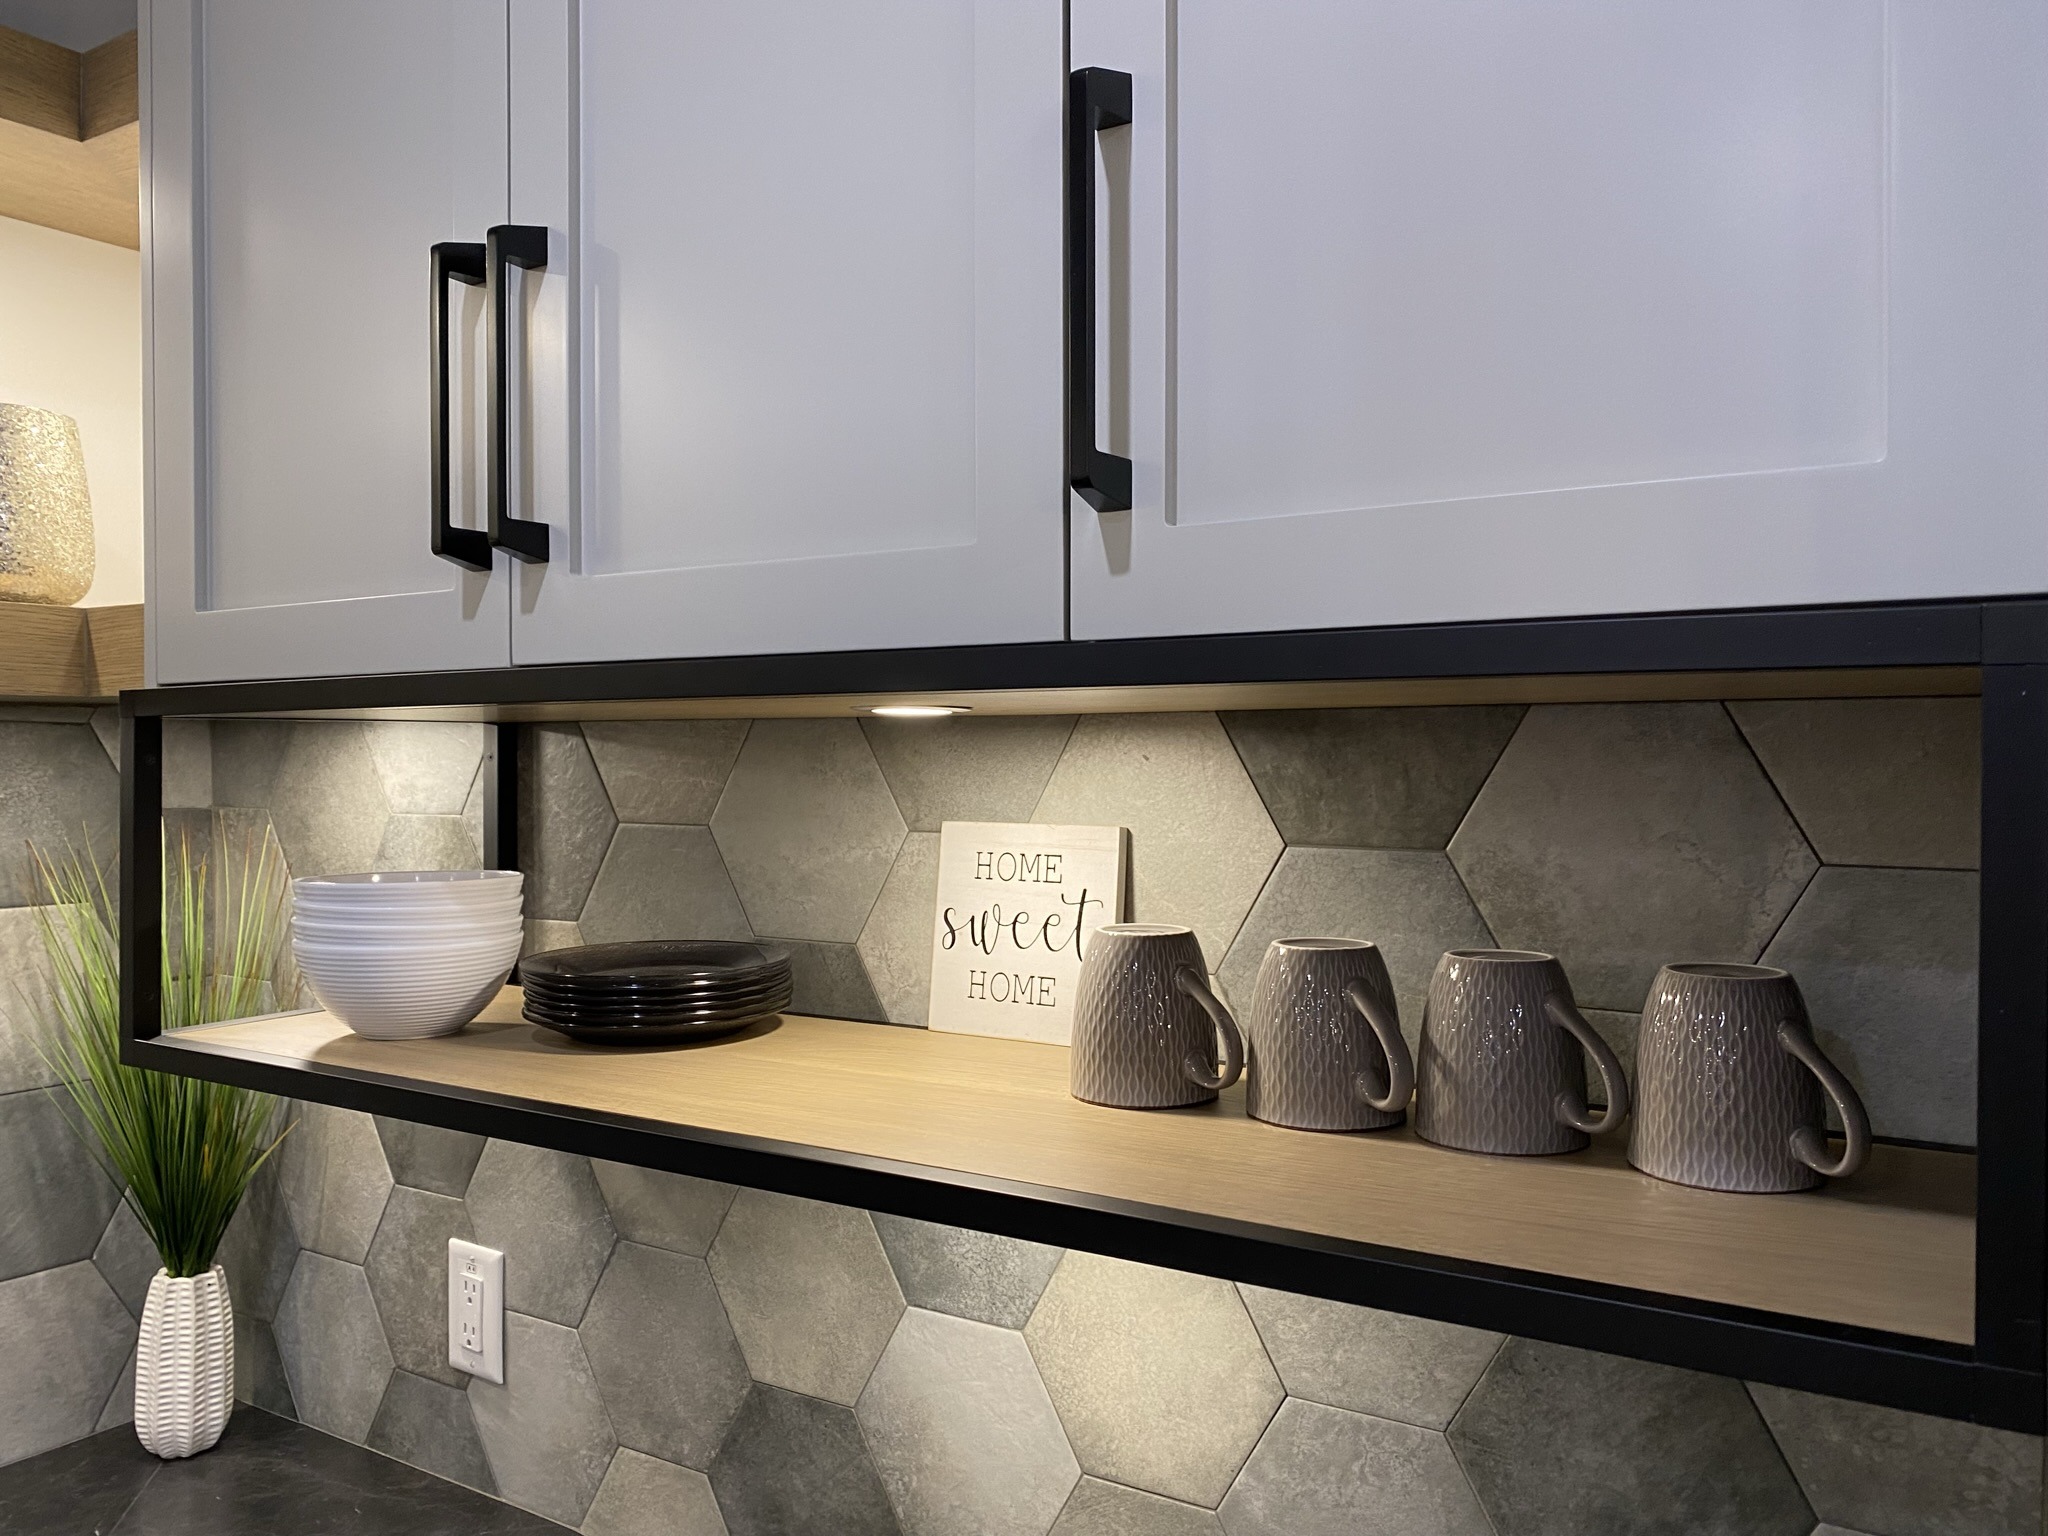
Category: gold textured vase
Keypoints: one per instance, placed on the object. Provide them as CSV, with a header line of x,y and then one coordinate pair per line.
x,y
46,553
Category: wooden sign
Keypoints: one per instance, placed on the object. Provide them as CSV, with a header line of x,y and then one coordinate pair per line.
x,y
1017,904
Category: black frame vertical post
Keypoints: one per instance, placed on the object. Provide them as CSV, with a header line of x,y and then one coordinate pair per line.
x,y
2012,1054
140,882
501,796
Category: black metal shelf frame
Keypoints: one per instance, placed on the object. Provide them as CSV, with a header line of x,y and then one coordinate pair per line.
x,y
1999,1380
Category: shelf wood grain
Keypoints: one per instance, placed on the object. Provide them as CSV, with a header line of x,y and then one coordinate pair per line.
x,y
1892,1249
68,655
70,141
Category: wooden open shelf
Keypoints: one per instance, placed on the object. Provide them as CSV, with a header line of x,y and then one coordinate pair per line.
x,y
1890,1250
68,655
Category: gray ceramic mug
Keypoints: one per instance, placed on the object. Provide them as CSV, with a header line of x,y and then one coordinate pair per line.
x,y
1146,1023
1323,1049
1500,1067
1731,1089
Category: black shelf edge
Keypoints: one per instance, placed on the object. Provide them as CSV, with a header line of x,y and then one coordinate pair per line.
x,y
1919,1375
1884,635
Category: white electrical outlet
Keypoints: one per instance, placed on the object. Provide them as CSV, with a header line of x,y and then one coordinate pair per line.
x,y
476,1309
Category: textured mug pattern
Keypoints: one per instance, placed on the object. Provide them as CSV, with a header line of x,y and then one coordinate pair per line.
x,y
1731,1089
1500,1068
1146,1023
1323,1046
185,1364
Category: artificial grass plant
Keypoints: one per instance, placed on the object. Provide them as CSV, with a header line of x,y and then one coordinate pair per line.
x,y
182,1149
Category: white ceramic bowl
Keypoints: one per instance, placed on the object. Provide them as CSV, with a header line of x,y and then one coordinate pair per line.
x,y
392,989
426,930
398,884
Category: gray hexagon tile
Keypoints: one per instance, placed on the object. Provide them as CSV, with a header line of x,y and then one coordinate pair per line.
x,y
1557,1439
408,1270
333,1346
1381,1363
830,982
260,1376
544,1210
542,935
246,755
428,842
1321,1471
665,1359
429,1157
428,1425
896,943
809,1291
794,1464
1622,836
663,1210
327,802
967,767
119,1407
808,829
962,1431
126,1258
24,1000
545,1431
1371,778
968,1274
260,1246
426,767
1110,1509
1880,1469
188,757
1412,905
565,821
662,883
1887,962
665,770
644,1496
68,1340
1202,844
54,1201
61,793
334,1179
1875,781
1158,1376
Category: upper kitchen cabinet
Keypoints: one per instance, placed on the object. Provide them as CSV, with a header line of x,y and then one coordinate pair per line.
x,y
1410,312
792,371
302,159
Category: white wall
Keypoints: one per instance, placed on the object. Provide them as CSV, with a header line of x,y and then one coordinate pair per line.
x,y
71,341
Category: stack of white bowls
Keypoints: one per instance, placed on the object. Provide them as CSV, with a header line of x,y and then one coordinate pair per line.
x,y
408,955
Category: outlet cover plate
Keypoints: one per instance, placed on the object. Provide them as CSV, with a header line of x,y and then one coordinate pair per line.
x,y
476,1309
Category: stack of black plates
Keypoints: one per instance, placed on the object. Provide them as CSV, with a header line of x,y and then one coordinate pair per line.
x,y
663,990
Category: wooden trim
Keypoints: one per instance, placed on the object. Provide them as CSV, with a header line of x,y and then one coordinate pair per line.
x,y
39,83
1890,1250
107,95
68,655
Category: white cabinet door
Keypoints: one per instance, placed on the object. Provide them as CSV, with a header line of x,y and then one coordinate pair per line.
x,y
302,158
795,359
1418,312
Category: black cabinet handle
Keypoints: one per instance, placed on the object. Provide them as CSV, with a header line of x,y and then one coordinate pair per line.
x,y
508,245
462,261
1096,99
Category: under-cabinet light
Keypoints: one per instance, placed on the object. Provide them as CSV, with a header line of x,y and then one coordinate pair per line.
x,y
917,711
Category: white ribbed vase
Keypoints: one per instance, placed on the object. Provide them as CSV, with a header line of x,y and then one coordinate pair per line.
x,y
185,1364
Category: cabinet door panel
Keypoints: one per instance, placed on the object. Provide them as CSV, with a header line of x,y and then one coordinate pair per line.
x,y
1522,307
796,353
303,159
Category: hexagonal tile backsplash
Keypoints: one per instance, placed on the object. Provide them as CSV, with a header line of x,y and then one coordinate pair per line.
x,y
685,1358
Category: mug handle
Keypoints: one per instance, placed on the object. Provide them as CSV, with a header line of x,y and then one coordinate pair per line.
x,y
1571,1104
1190,981
1809,1145
1400,1065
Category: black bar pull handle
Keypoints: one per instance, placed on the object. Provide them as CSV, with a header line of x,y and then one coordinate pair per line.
x,y
505,246
463,261
1096,99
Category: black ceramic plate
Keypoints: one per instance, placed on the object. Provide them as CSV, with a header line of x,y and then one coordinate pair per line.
x,y
631,996
650,1034
665,962
543,1013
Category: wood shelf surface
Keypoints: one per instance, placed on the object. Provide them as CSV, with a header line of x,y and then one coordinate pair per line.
x,y
68,655
1892,1249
